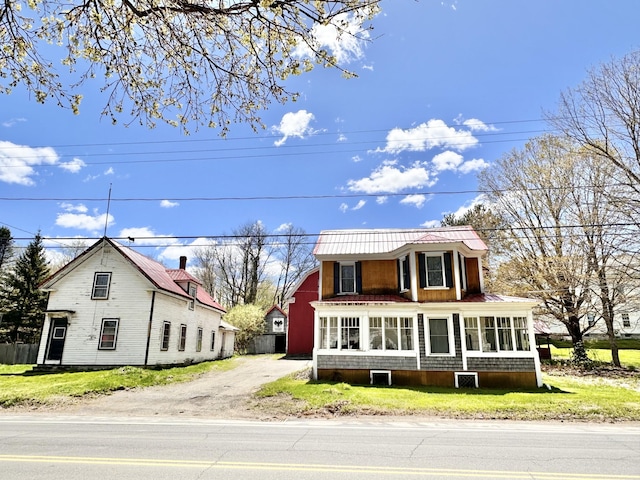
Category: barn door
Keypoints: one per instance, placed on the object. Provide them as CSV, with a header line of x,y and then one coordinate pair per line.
x,y
57,336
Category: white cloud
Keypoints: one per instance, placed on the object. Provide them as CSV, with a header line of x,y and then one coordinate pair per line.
x,y
356,158
368,67
343,207
417,200
12,121
82,221
283,227
70,207
389,178
476,125
146,236
447,161
431,224
73,166
345,47
109,171
342,138
359,205
294,125
480,199
434,133
168,204
17,162
382,199
473,165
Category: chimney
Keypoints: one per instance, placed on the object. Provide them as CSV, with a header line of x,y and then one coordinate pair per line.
x,y
183,263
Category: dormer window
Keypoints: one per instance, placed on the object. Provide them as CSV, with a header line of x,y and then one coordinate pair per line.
x,y
404,275
347,277
193,290
435,270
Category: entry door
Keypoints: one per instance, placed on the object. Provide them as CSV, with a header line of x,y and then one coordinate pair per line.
x,y
57,335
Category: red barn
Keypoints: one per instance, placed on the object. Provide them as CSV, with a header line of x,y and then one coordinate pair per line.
x,y
300,327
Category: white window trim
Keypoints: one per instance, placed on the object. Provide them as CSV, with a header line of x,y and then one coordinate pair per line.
x,y
95,284
426,271
469,374
499,353
450,334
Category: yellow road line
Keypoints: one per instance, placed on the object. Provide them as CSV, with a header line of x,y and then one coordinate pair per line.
x,y
425,472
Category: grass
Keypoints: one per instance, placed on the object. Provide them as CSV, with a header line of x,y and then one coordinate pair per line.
x,y
568,398
628,358
18,386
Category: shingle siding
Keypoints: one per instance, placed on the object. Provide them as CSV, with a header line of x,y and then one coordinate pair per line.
x,y
501,364
367,362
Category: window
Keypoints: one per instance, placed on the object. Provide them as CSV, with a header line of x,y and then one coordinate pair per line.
x,y
350,333
463,272
404,275
347,278
626,323
328,332
101,283
496,334
522,333
435,270
471,333
108,334
213,340
199,340
504,333
439,335
166,333
591,319
488,334
193,290
390,333
182,341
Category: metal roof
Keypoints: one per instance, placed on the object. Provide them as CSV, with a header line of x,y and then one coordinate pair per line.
x,y
380,241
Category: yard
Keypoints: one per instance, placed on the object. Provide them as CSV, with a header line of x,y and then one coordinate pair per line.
x,y
600,394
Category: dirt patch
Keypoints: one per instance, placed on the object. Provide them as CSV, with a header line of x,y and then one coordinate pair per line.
x,y
214,394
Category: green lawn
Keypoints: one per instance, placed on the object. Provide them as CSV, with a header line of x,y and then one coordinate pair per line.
x,y
566,398
19,386
628,358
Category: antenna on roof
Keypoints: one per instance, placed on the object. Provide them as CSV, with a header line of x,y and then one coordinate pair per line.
x,y
106,219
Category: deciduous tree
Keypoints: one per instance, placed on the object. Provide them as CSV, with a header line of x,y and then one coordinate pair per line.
x,y
250,320
176,61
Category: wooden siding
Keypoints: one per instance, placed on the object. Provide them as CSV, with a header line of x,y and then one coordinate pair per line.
x,y
379,277
437,295
327,280
130,301
473,275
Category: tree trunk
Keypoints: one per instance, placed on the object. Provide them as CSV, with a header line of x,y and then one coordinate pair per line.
x,y
579,356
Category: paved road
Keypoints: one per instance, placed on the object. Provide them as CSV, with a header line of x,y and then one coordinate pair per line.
x,y
74,448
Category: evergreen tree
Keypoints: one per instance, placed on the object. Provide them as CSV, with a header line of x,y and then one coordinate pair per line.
x,y
6,247
21,299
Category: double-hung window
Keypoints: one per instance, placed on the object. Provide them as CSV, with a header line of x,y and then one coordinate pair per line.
x,y
182,341
435,270
347,278
404,275
108,334
166,334
626,322
199,340
101,282
439,336
213,340
193,290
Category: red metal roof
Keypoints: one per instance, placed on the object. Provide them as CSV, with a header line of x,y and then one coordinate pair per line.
x,y
376,241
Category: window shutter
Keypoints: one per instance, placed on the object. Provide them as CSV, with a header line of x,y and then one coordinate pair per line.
x,y
336,278
407,274
398,275
447,270
423,270
358,277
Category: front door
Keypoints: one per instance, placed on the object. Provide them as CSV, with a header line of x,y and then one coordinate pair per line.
x,y
57,335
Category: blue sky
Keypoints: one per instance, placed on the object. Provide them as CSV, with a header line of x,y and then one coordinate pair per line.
x,y
444,88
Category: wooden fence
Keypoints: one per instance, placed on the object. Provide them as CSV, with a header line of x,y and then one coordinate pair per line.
x,y
18,353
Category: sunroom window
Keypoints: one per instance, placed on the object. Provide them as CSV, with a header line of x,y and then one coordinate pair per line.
x,y
439,335
496,334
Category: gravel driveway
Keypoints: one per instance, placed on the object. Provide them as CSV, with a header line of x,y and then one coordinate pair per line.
x,y
214,394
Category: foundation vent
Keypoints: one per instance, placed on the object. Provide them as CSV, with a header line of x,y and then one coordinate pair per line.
x,y
466,379
380,377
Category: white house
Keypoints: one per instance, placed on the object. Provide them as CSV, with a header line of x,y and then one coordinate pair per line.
x,y
112,306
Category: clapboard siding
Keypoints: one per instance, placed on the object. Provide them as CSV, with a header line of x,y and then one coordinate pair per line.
x,y
133,300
